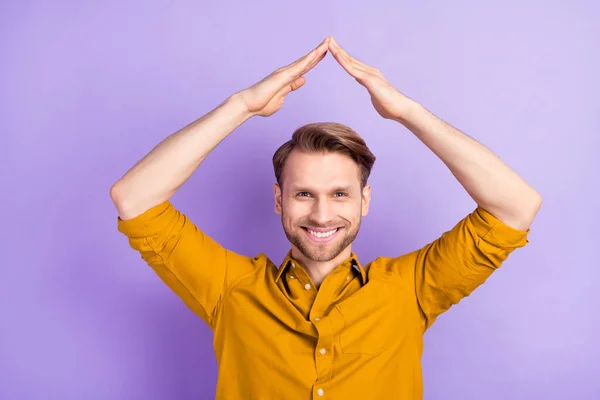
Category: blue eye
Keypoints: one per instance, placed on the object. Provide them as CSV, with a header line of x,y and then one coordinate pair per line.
x,y
307,194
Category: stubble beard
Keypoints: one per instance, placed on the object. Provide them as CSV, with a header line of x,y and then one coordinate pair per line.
x,y
316,251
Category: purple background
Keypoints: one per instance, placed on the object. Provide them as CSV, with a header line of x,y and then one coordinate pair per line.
x,y
88,89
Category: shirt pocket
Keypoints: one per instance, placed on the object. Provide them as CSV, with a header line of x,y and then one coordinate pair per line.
x,y
371,322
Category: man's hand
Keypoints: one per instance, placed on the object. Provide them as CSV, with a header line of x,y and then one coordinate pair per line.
x,y
387,100
488,180
266,97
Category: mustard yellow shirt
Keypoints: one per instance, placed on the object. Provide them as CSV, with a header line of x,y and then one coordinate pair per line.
x,y
359,336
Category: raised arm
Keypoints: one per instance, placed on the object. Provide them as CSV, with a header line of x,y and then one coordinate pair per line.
x,y
192,264
451,267
489,181
159,174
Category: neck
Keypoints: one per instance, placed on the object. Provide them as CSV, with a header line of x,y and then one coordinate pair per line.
x,y
318,270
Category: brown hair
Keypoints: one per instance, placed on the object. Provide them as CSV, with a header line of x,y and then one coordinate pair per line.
x,y
326,137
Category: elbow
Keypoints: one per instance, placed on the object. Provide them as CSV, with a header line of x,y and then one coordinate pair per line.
x,y
117,196
115,192
536,202
529,210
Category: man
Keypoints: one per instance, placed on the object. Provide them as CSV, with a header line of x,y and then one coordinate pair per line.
x,y
321,325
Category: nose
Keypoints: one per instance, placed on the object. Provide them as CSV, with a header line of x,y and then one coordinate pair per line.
x,y
322,213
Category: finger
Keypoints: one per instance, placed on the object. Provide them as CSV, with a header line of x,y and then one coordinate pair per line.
x,y
302,60
286,75
352,59
351,68
307,58
295,85
353,62
312,64
307,65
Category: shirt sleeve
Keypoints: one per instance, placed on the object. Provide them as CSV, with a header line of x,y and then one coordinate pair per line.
x,y
188,261
455,264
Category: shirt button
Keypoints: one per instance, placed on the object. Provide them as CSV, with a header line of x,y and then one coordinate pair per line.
x,y
322,351
293,265
320,392
347,277
307,286
291,276
317,318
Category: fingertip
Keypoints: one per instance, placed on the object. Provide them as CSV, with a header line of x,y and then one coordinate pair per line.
x,y
298,83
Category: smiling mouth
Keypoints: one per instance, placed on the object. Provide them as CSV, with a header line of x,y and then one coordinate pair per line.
x,y
322,237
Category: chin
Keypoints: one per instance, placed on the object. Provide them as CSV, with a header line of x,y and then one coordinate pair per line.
x,y
318,252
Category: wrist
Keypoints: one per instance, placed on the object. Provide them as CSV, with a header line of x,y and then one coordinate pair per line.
x,y
409,111
236,102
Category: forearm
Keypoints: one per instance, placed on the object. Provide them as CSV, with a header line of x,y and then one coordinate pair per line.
x,y
161,172
489,181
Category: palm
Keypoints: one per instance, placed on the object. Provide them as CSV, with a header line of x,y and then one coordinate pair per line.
x,y
386,99
266,97
272,106
261,99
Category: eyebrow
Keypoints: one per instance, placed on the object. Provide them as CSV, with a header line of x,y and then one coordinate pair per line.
x,y
336,189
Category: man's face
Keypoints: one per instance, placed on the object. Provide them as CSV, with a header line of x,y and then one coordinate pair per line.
x,y
321,192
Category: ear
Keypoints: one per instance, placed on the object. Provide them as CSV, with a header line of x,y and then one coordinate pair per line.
x,y
277,194
366,200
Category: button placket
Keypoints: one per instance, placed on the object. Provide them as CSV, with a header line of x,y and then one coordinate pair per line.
x,y
323,354
300,275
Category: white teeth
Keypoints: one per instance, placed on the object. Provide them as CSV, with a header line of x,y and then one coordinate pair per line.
x,y
322,234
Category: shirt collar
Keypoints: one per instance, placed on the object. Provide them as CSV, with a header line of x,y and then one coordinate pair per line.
x,y
352,260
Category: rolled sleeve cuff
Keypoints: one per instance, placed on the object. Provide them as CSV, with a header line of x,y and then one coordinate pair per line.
x,y
149,222
493,230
